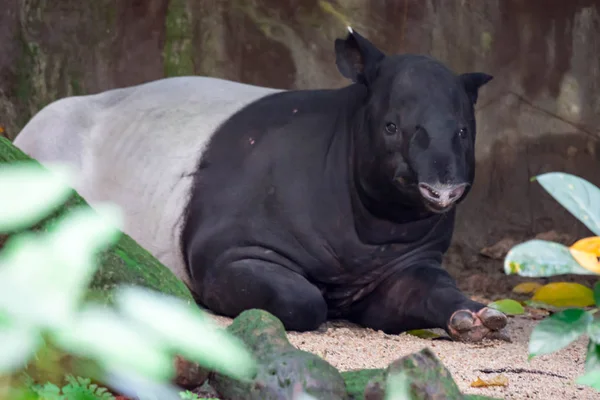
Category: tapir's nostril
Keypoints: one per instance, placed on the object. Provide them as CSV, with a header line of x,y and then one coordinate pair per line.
x,y
457,191
442,195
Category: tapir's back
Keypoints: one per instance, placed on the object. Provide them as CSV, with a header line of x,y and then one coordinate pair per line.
x,y
137,147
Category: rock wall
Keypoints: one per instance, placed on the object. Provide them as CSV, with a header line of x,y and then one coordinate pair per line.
x,y
540,113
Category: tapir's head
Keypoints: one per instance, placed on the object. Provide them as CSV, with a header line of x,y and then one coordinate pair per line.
x,y
417,134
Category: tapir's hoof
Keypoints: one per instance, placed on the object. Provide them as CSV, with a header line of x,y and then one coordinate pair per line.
x,y
487,323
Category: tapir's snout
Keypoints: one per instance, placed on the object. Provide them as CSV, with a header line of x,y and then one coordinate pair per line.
x,y
441,197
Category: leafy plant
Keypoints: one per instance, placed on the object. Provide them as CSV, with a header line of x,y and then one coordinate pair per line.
x,y
187,395
537,258
43,279
76,388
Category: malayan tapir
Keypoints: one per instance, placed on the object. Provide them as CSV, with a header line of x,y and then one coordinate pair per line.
x,y
310,204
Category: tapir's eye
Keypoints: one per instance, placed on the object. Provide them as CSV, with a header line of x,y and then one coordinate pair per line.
x,y
391,128
462,133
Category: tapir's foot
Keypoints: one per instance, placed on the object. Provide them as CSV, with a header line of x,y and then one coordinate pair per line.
x,y
469,326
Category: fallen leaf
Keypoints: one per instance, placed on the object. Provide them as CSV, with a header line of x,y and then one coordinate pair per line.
x,y
423,334
538,313
507,306
527,287
589,244
587,260
565,294
498,380
586,251
542,306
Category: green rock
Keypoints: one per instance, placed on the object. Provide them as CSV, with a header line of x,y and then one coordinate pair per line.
x,y
429,380
280,364
357,380
126,262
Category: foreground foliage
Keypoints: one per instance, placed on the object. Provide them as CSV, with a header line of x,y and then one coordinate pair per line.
x,y
537,258
43,281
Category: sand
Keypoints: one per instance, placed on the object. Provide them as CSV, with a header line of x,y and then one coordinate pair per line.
x,y
347,346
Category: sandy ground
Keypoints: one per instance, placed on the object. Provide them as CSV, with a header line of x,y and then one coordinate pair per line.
x,y
347,346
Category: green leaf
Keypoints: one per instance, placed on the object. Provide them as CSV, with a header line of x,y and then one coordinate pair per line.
x,y
507,306
597,293
30,192
115,343
591,378
188,330
558,331
565,294
187,395
592,359
17,346
578,196
536,258
594,331
56,267
130,384
48,391
423,334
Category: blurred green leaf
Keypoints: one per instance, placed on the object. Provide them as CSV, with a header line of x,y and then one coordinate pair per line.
x,y
30,192
594,331
507,306
136,386
115,343
17,345
592,359
536,258
578,196
558,331
597,293
45,276
186,329
591,378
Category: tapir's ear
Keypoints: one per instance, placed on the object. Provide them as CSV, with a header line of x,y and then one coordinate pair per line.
x,y
472,81
357,58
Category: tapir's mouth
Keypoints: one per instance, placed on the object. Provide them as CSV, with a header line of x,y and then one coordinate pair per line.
x,y
436,208
431,204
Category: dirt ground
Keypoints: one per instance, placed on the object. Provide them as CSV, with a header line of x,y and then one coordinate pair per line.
x,y
347,346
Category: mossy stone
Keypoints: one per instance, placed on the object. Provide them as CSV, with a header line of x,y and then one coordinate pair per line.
x,y
280,365
357,380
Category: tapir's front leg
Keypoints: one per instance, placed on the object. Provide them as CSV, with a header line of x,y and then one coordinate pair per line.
x,y
425,296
